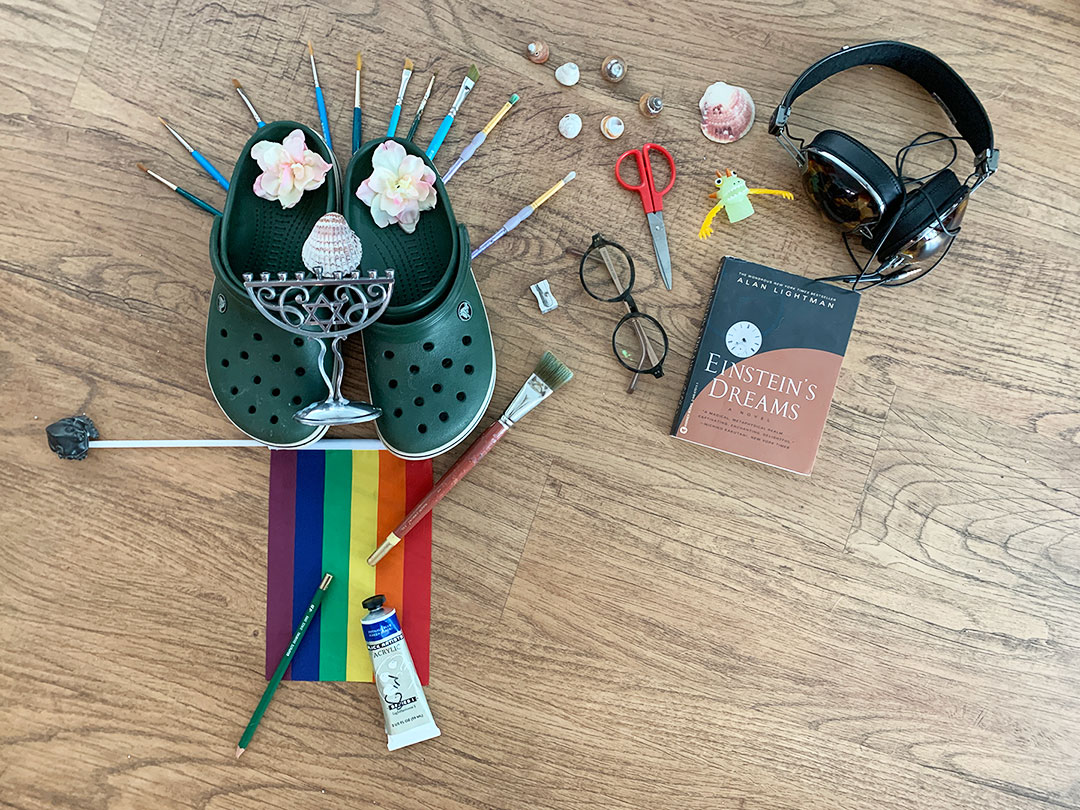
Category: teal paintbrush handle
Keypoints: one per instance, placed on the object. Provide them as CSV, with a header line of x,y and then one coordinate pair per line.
x,y
394,116
203,204
357,129
283,665
440,136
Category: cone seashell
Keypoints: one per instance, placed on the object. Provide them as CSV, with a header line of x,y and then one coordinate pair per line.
x,y
612,127
537,51
570,126
727,112
568,74
332,247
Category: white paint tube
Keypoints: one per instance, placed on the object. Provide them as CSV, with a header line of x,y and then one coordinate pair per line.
x,y
405,709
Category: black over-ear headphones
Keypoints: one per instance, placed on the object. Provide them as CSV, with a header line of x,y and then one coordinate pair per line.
x,y
908,230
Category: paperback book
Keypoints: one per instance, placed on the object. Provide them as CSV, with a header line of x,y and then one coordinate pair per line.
x,y
766,365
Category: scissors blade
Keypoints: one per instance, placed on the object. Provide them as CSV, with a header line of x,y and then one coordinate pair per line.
x,y
659,243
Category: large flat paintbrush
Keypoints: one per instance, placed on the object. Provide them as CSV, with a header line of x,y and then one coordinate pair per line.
x,y
548,377
440,135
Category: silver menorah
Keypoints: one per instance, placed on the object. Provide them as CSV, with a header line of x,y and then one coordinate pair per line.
x,y
325,307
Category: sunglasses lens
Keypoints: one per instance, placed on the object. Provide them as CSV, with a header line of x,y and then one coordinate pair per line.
x,y
919,255
605,272
640,343
841,198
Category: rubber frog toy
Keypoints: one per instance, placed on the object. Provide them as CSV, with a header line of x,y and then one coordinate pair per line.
x,y
734,197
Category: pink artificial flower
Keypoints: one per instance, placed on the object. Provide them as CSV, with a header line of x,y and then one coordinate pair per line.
x,y
400,187
289,169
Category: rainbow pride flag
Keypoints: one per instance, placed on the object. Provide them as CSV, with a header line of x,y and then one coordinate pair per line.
x,y
328,511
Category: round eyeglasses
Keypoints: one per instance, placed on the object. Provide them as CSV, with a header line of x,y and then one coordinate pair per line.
x,y
639,341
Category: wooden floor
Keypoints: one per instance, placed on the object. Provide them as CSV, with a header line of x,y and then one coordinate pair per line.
x,y
620,620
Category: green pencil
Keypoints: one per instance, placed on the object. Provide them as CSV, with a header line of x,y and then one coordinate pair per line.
x,y
283,665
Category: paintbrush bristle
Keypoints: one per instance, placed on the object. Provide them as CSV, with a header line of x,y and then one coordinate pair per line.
x,y
552,372
514,99
310,50
237,85
142,167
408,63
162,120
473,73
359,61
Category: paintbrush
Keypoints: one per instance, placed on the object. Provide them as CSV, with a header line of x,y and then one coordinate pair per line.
x,y
207,166
546,379
522,215
320,102
187,195
357,127
259,123
420,109
479,138
406,72
466,86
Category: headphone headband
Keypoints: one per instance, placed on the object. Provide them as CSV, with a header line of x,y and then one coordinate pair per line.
x,y
937,78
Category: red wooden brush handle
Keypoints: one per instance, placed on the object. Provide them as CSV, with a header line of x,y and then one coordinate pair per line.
x,y
469,459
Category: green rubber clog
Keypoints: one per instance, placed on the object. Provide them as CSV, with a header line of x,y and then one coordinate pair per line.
x,y
261,375
430,359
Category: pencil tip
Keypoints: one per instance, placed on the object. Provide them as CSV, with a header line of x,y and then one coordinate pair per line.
x,y
237,84
239,751
142,167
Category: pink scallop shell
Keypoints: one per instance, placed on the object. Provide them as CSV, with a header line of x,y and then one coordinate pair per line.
x,y
332,247
727,112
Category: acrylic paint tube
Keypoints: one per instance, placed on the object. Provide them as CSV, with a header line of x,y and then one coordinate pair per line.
x,y
405,709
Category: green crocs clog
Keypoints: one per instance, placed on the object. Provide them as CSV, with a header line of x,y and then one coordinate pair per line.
x,y
260,374
430,359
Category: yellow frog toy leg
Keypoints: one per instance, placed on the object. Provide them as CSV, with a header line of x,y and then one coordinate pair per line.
x,y
705,231
787,195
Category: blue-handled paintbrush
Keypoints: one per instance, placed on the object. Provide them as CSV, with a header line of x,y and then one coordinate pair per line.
x,y
259,123
320,102
522,215
479,138
444,127
406,72
207,166
357,122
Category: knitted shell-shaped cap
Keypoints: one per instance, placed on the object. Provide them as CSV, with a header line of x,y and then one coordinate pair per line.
x,y
332,247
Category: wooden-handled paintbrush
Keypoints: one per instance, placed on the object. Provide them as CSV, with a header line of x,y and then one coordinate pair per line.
x,y
406,72
466,87
187,195
548,377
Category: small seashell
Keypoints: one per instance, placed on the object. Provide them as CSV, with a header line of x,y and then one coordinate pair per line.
x,y
537,51
727,112
332,247
650,105
613,69
570,125
568,74
612,126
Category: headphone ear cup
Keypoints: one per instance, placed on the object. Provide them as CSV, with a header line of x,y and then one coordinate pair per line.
x,y
853,186
941,192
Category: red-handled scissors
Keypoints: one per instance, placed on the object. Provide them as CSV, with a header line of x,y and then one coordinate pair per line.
x,y
652,201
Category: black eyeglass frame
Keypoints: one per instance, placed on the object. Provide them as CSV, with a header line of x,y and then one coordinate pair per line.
x,y
657,370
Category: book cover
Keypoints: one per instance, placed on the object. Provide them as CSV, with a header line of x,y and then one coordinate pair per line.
x,y
766,365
